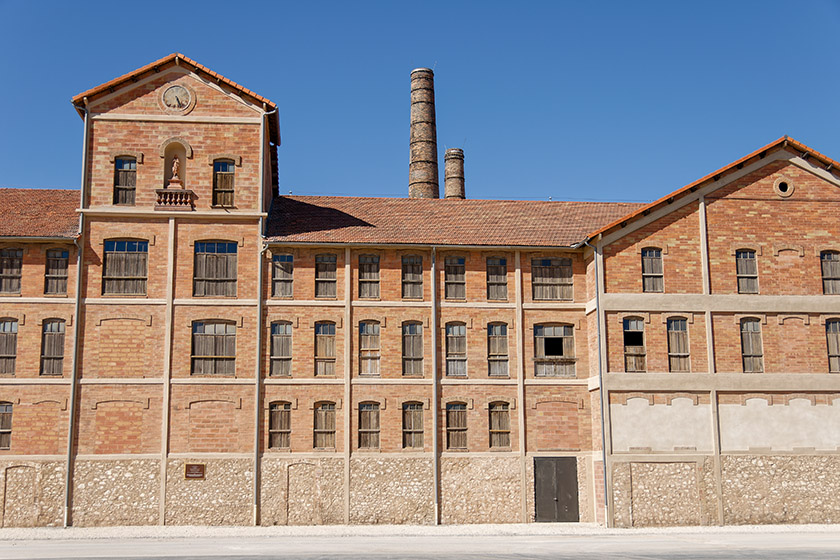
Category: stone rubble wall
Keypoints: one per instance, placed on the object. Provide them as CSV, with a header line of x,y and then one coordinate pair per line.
x,y
392,491
301,491
480,490
224,497
116,492
32,493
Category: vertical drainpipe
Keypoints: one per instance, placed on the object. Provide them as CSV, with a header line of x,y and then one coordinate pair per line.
x,y
520,385
435,406
348,408
68,478
167,368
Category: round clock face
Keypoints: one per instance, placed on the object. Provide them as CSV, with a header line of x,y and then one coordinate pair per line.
x,y
177,98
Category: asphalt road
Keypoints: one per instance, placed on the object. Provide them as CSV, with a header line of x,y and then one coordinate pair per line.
x,y
630,545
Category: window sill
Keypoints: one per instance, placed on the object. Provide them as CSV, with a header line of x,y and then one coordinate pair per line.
x,y
223,207
327,298
279,450
125,295
10,294
57,296
461,450
366,450
283,297
324,449
412,299
413,376
500,449
498,300
213,375
550,300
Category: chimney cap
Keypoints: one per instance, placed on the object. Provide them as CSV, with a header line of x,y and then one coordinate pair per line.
x,y
424,70
454,153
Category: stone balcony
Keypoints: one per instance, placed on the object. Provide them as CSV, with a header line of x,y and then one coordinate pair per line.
x,y
175,200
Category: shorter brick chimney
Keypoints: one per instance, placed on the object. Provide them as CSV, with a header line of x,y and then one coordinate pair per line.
x,y
453,173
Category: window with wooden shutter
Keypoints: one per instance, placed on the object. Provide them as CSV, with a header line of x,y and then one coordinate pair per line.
x,y
746,268
52,347
281,349
369,426
325,276
215,269
456,349
223,177
125,180
751,346
5,425
652,275
554,351
497,278
324,430
279,425
455,283
213,348
456,426
412,277
8,345
634,345
55,278
830,262
497,350
551,279
412,428
11,263
499,424
412,349
369,348
832,334
282,273
324,348
678,345
369,276
125,269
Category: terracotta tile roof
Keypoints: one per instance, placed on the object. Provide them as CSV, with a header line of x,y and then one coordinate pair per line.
x,y
781,143
39,213
327,219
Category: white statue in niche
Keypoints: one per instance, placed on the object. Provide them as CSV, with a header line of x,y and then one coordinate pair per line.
x,y
176,166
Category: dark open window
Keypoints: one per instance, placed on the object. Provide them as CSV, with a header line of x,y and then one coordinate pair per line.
x,y
223,172
554,351
634,344
125,180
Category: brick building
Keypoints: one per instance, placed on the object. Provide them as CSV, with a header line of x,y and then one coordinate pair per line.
x,y
226,355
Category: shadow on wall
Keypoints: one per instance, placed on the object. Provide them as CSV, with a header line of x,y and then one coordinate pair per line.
x,y
291,217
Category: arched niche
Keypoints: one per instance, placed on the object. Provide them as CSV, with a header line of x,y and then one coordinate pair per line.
x,y
168,150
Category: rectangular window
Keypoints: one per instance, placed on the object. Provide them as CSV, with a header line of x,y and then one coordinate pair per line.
x,y
652,276
282,269
324,348
125,267
499,425
281,349
830,262
554,351
369,276
325,276
55,279
215,269
832,333
213,348
751,346
455,283
412,277
497,278
412,349
369,348
497,349
8,346
5,425
369,426
11,263
324,425
413,425
456,349
125,180
52,348
634,345
223,171
747,271
456,426
678,345
551,279
279,425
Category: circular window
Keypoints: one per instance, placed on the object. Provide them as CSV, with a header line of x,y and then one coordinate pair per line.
x,y
783,187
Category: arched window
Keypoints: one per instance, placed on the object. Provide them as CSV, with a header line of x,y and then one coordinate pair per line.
x,y
832,334
5,425
8,345
678,344
52,347
125,180
281,348
213,348
369,425
223,181
412,348
830,262
499,424
554,351
126,267
324,426
11,263
751,350
456,425
412,413
497,350
652,275
279,425
214,273
369,348
634,344
324,348
456,349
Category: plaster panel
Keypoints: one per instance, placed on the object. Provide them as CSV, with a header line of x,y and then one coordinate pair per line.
x,y
682,425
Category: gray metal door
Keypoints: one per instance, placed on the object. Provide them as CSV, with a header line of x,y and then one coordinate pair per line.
x,y
556,488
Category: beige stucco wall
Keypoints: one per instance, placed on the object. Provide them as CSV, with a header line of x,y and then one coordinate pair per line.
x,y
779,427
122,492
678,426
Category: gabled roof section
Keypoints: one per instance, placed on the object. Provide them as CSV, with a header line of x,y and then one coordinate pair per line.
x,y
428,221
178,59
39,213
785,142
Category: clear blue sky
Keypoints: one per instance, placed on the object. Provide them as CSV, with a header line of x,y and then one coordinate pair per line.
x,y
569,100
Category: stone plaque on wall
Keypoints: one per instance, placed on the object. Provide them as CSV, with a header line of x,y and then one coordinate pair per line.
x,y
194,471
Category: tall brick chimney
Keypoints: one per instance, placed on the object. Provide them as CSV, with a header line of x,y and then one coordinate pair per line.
x,y
453,173
423,165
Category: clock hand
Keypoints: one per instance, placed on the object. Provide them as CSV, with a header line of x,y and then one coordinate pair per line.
x,y
178,100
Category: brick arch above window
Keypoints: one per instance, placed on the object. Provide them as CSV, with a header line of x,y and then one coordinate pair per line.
x,y
138,156
382,402
212,158
453,400
689,317
176,140
500,399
